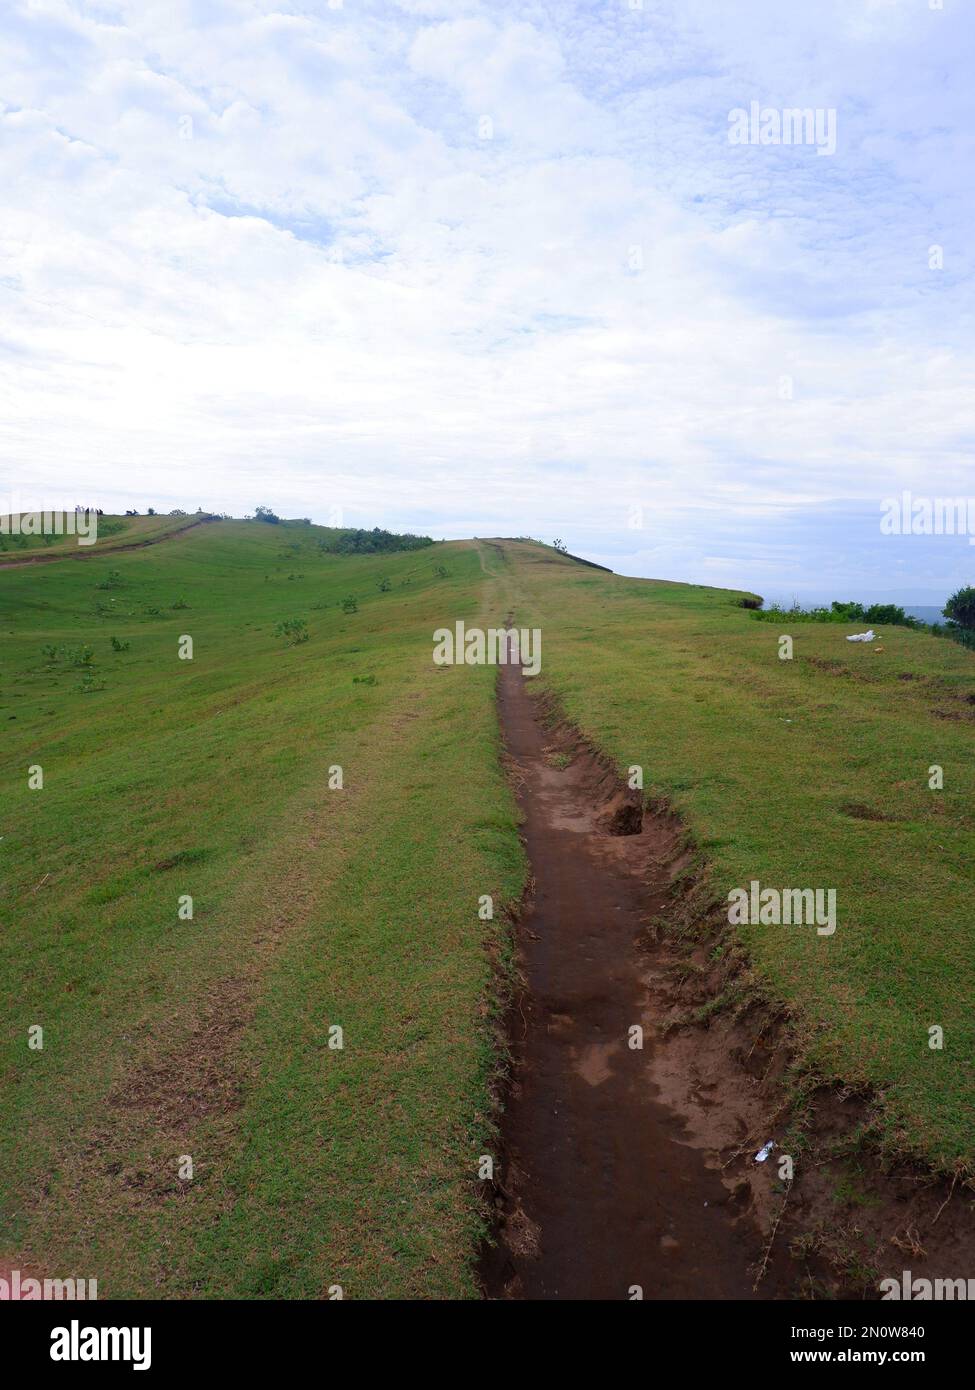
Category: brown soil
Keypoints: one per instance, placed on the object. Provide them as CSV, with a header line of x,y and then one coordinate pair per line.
x,y
603,1185
622,1167
198,1078
859,811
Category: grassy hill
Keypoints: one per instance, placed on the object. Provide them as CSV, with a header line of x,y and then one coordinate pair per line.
x,y
316,907
112,533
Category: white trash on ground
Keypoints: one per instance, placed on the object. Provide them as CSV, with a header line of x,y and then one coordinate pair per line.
x,y
764,1152
862,637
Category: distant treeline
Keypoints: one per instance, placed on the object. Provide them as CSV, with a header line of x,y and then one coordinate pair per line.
x,y
373,542
959,609
354,541
839,613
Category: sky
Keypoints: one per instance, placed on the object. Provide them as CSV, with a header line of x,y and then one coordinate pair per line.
x,y
501,268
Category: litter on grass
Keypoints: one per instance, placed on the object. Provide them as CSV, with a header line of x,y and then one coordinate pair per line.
x,y
862,637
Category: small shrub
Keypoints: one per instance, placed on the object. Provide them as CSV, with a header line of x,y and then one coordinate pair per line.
x,y
350,605
293,630
112,581
180,603
88,683
118,646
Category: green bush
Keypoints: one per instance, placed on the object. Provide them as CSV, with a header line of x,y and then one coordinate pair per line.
x,y
887,613
960,608
357,542
88,683
294,630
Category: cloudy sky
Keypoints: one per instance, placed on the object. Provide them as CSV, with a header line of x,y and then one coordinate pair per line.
x,y
497,268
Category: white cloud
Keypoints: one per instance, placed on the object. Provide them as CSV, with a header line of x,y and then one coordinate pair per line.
x,y
261,255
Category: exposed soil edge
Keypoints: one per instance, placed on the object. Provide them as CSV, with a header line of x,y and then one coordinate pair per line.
x,y
502,996
860,1207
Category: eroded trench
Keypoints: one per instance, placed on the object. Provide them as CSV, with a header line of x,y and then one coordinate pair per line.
x,y
611,1183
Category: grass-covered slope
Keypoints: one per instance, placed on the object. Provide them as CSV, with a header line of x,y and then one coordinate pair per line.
x,y
111,533
813,773
313,907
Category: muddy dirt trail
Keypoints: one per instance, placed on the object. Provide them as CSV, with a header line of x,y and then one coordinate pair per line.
x,y
601,1187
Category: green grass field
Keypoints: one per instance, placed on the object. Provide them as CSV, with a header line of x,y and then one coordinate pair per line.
x,y
317,908
312,907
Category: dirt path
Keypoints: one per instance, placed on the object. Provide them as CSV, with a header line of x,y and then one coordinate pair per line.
x,y
602,1190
